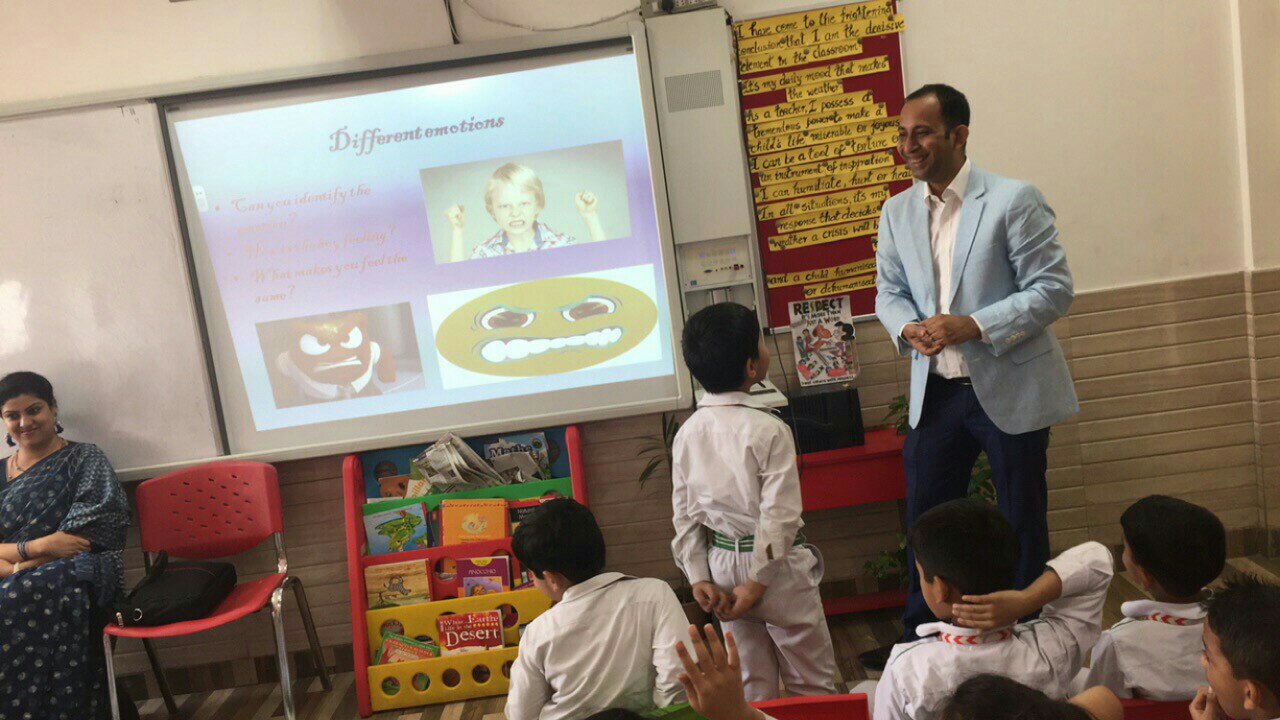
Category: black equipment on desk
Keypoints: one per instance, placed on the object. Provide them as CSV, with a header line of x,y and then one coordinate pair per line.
x,y
825,420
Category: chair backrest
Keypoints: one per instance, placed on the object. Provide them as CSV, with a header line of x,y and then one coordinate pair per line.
x,y
824,707
209,511
1152,710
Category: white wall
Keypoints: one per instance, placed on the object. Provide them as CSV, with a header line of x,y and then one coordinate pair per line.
x,y
1259,102
1123,113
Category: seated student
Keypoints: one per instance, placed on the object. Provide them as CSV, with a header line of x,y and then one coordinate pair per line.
x,y
967,556
1241,653
995,697
1173,549
713,681
608,642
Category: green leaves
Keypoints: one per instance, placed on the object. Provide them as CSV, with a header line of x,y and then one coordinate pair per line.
x,y
657,448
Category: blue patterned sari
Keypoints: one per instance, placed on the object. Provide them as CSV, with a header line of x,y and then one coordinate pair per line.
x,y
51,617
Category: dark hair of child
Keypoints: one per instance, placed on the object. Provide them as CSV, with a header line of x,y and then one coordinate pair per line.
x,y
1183,546
995,697
718,340
968,543
560,536
1245,615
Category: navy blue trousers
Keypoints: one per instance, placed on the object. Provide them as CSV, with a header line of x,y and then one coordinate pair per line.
x,y
938,457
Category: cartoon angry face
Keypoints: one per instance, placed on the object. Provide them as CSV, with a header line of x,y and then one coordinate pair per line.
x,y
547,326
333,350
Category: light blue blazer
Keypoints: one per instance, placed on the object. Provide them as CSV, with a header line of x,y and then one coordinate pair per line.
x,y
1009,273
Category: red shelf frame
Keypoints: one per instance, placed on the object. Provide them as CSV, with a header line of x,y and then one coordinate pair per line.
x,y
854,476
353,501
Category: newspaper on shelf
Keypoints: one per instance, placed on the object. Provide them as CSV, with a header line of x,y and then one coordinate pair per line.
x,y
450,465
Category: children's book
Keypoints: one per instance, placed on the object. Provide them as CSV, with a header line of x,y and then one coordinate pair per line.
x,y
472,632
518,510
398,530
395,584
464,521
822,330
533,443
398,648
483,576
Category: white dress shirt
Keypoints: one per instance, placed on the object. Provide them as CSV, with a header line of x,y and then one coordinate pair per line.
x,y
944,221
1154,653
734,472
609,643
1045,654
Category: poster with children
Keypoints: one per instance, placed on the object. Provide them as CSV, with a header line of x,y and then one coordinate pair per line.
x,y
823,336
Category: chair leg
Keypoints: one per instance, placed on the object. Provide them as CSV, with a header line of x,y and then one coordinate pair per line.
x,y
282,652
304,609
160,679
111,677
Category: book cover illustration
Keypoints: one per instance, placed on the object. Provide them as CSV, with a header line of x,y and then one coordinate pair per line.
x,y
823,333
397,584
533,443
518,510
483,575
398,648
398,530
471,632
465,521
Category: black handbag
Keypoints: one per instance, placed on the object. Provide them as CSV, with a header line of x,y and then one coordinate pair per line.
x,y
176,592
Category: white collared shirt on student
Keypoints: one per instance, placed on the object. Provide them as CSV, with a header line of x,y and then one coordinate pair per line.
x,y
742,463
608,643
1044,654
1153,653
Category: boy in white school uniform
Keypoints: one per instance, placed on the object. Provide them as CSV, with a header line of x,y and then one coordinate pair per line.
x,y
1173,549
967,556
610,639
736,503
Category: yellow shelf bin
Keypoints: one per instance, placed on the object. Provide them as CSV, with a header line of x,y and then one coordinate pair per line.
x,y
450,678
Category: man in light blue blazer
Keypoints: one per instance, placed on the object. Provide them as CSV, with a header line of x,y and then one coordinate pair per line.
x,y
970,276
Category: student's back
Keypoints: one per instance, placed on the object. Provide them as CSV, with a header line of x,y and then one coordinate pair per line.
x,y
608,642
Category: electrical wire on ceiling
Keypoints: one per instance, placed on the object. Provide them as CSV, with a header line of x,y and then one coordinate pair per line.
x,y
530,28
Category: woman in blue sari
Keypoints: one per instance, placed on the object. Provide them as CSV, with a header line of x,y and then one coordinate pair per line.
x,y
63,518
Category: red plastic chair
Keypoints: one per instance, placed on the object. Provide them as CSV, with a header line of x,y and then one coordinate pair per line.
x,y
213,511
1152,710
822,707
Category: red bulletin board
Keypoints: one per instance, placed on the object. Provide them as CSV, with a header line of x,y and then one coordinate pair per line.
x,y
821,149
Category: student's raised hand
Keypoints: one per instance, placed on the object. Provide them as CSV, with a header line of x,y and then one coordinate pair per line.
x,y
743,598
457,216
709,597
713,682
586,202
1205,706
988,612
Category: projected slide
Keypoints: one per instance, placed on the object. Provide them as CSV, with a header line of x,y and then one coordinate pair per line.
x,y
434,246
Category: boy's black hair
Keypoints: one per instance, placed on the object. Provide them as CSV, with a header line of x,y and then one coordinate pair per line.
x,y
1245,615
615,714
25,382
718,340
561,536
954,106
1182,545
996,697
968,543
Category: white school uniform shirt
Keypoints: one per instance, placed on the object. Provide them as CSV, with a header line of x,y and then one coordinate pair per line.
x,y
1044,654
734,472
1153,653
609,643
944,222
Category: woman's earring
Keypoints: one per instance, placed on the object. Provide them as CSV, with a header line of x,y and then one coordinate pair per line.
x,y
57,426
9,439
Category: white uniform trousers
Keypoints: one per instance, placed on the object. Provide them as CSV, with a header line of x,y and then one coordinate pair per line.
x,y
785,635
